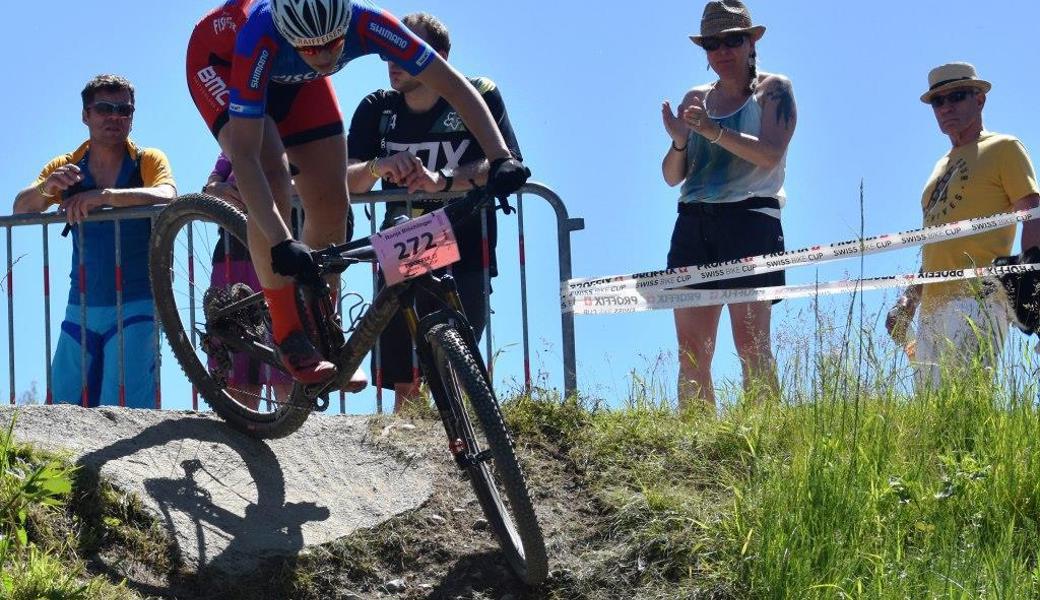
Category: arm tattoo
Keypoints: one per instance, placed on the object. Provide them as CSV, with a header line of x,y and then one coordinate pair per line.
x,y
780,92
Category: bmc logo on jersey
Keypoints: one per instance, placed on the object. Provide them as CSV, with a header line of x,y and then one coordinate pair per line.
x,y
214,84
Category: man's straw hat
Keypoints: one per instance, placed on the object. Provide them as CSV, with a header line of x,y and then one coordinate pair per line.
x,y
953,75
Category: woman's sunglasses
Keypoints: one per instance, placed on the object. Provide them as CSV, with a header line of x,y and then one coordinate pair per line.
x,y
332,46
107,109
953,97
732,40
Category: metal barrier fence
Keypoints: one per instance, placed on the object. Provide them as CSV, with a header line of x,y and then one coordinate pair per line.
x,y
565,225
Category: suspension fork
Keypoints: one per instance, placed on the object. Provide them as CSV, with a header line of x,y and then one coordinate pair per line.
x,y
447,293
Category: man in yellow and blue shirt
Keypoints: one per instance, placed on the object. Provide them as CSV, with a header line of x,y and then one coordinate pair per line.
x,y
108,170
983,174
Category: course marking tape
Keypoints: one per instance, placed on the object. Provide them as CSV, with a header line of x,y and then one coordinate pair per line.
x,y
655,281
627,300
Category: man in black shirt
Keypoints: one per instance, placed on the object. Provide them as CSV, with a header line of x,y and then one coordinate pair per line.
x,y
410,138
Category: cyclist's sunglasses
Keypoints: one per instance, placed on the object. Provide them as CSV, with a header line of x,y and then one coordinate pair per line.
x,y
333,46
953,97
732,40
107,109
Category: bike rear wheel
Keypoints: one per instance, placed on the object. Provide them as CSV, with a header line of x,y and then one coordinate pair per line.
x,y
493,470
179,262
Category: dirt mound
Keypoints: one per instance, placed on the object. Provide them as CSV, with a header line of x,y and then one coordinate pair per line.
x,y
230,501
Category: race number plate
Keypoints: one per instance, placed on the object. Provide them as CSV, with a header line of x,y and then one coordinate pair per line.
x,y
416,247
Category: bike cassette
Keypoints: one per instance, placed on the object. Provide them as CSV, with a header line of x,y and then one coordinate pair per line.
x,y
249,319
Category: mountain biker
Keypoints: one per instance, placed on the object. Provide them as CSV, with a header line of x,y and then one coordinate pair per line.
x,y
258,73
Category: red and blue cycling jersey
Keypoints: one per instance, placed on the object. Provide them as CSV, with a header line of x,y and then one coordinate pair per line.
x,y
263,56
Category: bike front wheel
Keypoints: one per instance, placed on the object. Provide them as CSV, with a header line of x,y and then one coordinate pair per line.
x,y
180,264
487,451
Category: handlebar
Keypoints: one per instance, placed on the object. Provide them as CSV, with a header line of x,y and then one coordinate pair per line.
x,y
335,259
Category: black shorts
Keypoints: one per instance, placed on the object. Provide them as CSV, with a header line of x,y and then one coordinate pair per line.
x,y
708,233
395,344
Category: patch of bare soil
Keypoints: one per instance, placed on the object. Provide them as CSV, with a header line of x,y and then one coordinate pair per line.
x,y
442,549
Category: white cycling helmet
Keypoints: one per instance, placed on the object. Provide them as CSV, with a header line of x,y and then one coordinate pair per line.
x,y
311,22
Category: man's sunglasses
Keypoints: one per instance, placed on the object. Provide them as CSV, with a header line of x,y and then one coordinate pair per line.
x,y
107,109
332,46
953,97
732,40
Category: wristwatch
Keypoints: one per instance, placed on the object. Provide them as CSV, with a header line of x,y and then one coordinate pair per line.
x,y
449,178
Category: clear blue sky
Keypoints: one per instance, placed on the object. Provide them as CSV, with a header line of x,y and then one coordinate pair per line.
x,y
583,83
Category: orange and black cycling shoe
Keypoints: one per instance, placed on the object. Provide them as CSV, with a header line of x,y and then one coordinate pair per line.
x,y
303,361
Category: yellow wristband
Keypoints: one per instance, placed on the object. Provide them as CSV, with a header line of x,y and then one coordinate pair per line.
x,y
372,169
43,190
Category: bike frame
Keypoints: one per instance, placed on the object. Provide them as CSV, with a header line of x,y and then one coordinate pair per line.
x,y
388,300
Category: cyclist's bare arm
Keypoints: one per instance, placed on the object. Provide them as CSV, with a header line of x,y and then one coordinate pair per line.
x,y
462,96
244,139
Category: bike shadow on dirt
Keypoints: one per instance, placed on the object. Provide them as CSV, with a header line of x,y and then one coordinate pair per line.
x,y
233,530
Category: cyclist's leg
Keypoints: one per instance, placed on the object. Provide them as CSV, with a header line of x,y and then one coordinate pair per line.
x,y
311,126
297,351
276,171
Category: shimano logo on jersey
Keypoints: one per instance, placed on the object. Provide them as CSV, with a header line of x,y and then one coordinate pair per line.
x,y
388,35
258,70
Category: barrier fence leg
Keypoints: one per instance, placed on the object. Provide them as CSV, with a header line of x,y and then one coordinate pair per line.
x,y
485,249
523,293
10,315
158,350
47,315
376,356
85,400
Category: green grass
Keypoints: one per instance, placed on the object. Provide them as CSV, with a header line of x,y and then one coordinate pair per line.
x,y
38,554
853,489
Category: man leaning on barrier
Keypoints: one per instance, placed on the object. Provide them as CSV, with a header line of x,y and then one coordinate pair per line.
x,y
108,170
410,138
984,174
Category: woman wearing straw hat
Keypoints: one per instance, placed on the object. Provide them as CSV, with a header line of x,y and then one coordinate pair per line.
x,y
728,149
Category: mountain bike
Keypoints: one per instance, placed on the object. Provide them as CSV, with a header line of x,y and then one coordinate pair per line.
x,y
204,332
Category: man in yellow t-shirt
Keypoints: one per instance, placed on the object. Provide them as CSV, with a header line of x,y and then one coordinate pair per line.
x,y
110,301
984,174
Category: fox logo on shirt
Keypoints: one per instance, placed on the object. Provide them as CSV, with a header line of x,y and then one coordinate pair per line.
x,y
452,154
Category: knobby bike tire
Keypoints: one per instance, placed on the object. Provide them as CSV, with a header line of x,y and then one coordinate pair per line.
x,y
452,356
289,415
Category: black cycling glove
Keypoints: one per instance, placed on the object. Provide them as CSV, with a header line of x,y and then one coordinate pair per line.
x,y
507,175
293,259
1023,289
